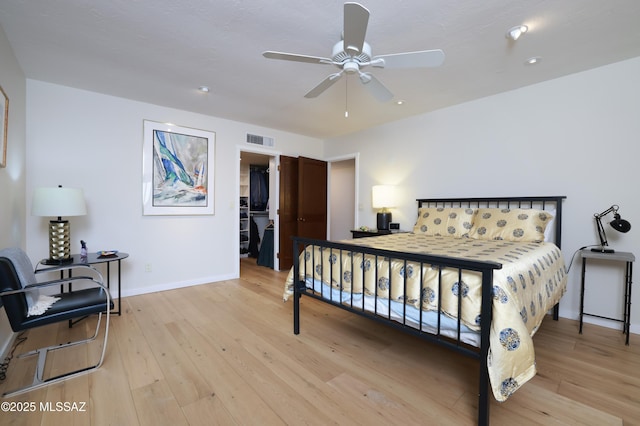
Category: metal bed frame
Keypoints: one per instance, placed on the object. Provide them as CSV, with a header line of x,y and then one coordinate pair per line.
x,y
484,268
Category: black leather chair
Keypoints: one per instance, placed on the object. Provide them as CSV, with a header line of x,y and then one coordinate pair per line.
x,y
19,290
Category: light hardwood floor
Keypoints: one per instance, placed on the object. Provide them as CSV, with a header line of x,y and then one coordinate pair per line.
x,y
224,353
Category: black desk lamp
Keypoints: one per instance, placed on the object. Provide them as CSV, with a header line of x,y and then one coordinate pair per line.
x,y
617,223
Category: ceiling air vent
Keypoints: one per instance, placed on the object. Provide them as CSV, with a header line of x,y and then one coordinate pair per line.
x,y
259,140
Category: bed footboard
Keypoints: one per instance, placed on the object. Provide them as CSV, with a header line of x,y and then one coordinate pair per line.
x,y
388,286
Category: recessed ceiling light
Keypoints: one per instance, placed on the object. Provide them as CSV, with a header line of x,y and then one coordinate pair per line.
x,y
533,60
399,102
515,32
204,89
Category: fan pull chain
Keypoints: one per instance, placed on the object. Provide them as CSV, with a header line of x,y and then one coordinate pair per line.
x,y
346,97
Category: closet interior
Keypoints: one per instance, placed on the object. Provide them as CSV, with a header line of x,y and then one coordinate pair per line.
x,y
256,218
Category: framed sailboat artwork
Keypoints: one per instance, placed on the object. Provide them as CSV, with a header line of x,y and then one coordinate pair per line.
x,y
177,170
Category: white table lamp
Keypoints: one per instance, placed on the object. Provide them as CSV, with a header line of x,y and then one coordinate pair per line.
x,y
383,198
58,202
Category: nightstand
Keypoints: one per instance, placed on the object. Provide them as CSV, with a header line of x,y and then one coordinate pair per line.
x,y
357,233
618,256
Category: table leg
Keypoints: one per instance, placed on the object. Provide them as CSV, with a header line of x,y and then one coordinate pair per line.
x,y
584,265
109,275
627,296
119,289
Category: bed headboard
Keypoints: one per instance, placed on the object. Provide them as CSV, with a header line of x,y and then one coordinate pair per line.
x,y
541,203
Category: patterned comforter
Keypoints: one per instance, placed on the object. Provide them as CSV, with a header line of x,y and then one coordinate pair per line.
x,y
532,280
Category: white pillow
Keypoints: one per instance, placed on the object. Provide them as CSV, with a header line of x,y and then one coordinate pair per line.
x,y
550,230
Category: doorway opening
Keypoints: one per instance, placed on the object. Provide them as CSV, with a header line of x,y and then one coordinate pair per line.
x,y
257,207
343,196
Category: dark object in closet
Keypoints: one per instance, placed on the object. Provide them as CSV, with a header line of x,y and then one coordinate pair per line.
x,y
265,258
259,181
254,238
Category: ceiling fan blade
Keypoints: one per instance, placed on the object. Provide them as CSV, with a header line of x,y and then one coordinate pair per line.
x,y
375,87
420,59
295,57
356,19
324,85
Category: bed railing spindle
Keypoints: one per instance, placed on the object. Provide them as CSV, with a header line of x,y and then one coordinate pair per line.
x,y
375,283
460,292
296,291
390,287
404,293
439,306
422,266
362,268
313,269
331,275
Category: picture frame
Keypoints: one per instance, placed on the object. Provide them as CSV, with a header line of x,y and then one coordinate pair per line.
x,y
177,170
4,124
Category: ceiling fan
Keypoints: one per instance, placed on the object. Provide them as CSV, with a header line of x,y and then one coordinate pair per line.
x,y
352,54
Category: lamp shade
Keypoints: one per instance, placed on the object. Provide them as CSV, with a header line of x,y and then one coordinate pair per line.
x,y
383,196
620,224
51,202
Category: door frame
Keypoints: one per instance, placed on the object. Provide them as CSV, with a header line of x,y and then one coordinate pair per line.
x,y
356,187
274,200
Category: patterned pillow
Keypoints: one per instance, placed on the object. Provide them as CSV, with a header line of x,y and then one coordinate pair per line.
x,y
510,224
444,221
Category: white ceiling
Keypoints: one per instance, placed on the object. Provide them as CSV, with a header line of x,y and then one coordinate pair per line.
x,y
161,51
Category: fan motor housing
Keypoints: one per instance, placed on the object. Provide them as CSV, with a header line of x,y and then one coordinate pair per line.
x,y
340,55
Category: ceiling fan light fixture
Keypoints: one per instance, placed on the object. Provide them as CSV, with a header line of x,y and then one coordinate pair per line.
x,y
351,67
515,32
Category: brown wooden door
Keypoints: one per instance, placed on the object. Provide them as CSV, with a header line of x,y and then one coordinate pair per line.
x,y
303,203
312,198
288,209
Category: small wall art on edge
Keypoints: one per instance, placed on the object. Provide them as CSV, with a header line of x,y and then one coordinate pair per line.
x,y
177,170
4,123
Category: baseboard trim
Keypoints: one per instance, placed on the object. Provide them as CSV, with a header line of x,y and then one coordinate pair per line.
x,y
177,284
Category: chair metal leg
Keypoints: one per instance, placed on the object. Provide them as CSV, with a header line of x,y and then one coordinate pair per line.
x,y
38,380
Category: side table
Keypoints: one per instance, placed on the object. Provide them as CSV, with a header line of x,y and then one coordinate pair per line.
x,y
618,256
93,259
358,233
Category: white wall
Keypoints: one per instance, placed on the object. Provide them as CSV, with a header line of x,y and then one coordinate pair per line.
x,y
13,176
575,136
93,141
